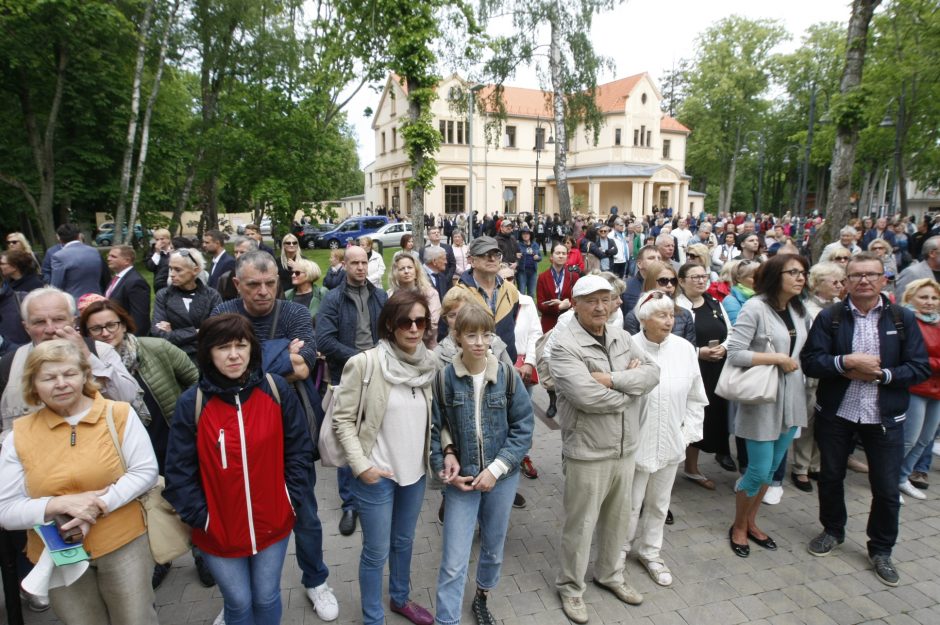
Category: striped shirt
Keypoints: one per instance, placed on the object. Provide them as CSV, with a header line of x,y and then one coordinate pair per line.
x,y
860,404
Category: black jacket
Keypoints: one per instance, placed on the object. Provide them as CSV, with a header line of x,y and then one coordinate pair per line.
x,y
133,294
905,362
169,306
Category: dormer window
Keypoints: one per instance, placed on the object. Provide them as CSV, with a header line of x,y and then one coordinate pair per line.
x,y
643,99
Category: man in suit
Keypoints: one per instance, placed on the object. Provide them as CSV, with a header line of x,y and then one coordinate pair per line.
x,y
76,268
128,288
47,263
253,231
434,241
213,242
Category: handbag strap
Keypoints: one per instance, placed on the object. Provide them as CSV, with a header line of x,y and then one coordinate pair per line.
x,y
365,387
109,416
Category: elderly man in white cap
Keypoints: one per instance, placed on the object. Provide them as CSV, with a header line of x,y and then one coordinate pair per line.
x,y
599,374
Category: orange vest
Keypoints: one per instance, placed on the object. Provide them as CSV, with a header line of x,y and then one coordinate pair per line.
x,y
54,466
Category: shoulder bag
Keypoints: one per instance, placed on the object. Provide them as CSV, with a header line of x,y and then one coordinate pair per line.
x,y
750,385
169,537
331,452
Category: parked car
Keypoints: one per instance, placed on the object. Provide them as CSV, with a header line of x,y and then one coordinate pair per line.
x,y
390,235
350,230
307,233
105,235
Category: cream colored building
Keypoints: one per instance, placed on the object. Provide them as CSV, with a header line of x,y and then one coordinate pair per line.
x,y
637,164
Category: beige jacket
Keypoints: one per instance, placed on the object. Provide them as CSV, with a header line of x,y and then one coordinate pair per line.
x,y
357,442
599,423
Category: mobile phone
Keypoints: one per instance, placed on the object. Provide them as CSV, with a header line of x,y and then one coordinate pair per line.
x,y
713,343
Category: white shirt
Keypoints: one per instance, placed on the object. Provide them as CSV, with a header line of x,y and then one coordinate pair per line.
x,y
399,444
528,328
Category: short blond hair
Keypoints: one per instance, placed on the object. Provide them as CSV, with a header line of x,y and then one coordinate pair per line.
x,y
911,289
821,271
161,232
308,267
55,351
455,298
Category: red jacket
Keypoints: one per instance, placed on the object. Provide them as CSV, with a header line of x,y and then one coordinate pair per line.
x,y
931,386
545,290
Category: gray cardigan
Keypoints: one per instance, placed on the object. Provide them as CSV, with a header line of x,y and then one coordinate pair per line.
x,y
757,320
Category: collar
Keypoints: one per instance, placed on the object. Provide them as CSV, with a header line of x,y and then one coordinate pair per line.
x,y
123,272
219,255
585,338
858,313
490,373
53,420
71,243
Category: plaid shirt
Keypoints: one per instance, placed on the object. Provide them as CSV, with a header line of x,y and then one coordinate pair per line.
x,y
860,404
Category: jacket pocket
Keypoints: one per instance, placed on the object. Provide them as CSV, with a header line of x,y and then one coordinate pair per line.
x,y
222,454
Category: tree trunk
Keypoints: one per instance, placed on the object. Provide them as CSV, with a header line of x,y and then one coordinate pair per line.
x,y
839,205
561,133
185,193
131,140
900,131
148,113
417,191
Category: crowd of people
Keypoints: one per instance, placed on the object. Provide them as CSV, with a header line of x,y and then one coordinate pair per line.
x,y
424,373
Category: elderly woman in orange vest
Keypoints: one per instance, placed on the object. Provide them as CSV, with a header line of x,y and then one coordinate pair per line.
x,y
61,460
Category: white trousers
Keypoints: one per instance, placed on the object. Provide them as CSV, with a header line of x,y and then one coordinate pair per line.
x,y
651,494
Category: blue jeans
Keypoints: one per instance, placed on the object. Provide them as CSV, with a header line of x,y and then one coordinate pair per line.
x,y
344,479
251,586
526,283
308,540
763,458
923,463
388,514
884,449
463,510
920,429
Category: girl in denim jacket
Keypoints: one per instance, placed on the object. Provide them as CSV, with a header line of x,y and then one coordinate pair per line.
x,y
481,429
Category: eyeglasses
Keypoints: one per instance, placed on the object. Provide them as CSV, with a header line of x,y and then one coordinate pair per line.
x,y
838,259
858,277
291,243
691,255
795,273
420,323
665,281
698,278
491,256
111,327
510,278
298,273
486,338
653,295
184,252
13,241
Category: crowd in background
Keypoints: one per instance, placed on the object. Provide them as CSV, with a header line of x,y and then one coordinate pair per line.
x,y
424,372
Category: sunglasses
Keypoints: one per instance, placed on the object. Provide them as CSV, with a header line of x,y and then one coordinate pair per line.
x,y
291,243
420,323
665,281
653,295
298,273
184,252
510,278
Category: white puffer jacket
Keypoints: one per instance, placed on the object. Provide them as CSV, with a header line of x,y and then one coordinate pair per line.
x,y
671,414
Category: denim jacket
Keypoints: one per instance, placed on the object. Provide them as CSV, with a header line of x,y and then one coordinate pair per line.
x,y
507,420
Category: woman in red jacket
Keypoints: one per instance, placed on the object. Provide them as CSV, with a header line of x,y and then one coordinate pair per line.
x,y
923,413
553,289
575,258
239,460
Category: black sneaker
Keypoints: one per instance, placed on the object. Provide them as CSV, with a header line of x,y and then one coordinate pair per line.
x,y
160,571
519,501
884,569
480,611
440,510
823,544
202,571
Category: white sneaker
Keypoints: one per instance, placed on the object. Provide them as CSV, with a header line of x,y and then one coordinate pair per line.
x,y
901,499
908,489
324,602
220,619
936,448
773,495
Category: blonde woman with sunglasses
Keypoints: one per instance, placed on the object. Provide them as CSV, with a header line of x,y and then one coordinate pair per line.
x,y
662,277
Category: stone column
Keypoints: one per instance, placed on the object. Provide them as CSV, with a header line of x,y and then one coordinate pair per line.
x,y
648,198
594,198
674,200
636,199
684,197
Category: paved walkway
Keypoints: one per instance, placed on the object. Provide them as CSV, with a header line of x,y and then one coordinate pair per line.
x,y
711,586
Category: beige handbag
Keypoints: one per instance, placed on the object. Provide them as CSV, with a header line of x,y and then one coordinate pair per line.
x,y
749,385
331,452
169,537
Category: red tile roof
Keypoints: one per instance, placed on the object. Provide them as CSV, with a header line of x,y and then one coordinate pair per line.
x,y
520,101
670,123
612,96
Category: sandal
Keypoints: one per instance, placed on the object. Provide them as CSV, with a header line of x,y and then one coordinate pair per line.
x,y
700,480
658,571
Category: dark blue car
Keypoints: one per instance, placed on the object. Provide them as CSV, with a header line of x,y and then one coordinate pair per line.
x,y
350,230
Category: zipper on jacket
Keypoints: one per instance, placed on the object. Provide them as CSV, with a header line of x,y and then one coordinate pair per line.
x,y
241,435
72,437
222,448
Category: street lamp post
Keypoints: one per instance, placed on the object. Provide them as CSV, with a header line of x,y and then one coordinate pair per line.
x,y
539,147
762,145
470,100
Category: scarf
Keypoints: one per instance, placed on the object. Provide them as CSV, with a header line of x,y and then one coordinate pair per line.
x,y
746,291
129,356
414,370
931,319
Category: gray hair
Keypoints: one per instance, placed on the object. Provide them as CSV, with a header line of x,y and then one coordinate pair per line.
x,y
618,285
821,271
194,254
649,304
433,253
664,238
242,239
848,230
930,245
44,292
258,260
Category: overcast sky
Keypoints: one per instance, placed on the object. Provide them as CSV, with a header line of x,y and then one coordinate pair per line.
x,y
649,36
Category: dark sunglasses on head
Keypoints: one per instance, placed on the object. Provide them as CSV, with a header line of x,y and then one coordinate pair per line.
x,y
184,252
665,281
420,323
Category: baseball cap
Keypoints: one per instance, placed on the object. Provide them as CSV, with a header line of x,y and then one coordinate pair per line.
x,y
590,284
483,245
